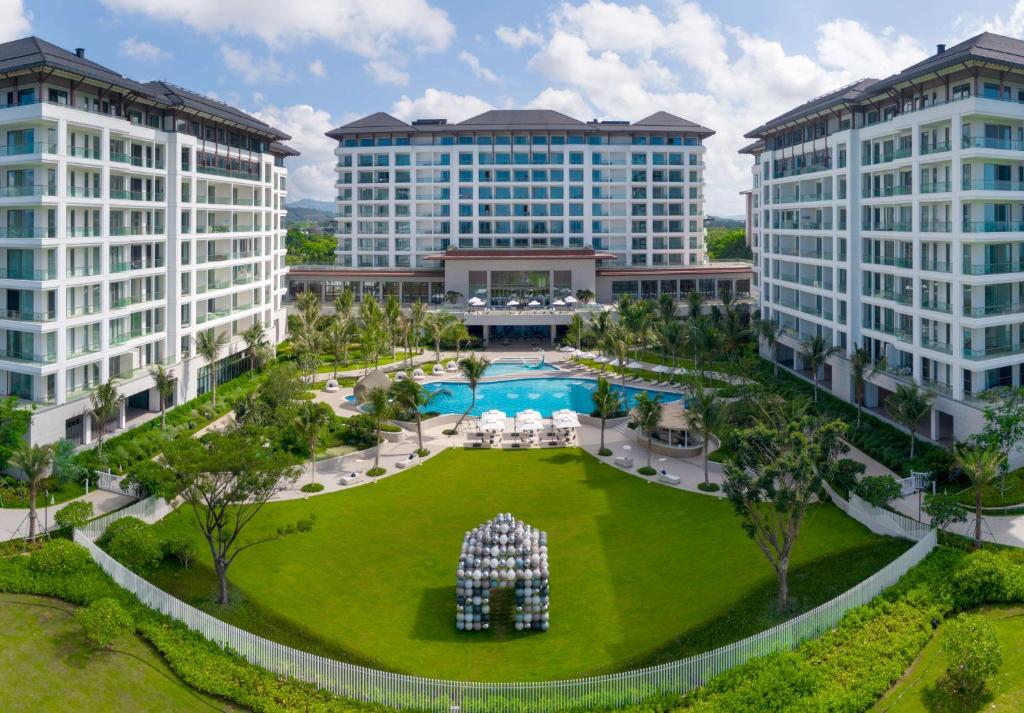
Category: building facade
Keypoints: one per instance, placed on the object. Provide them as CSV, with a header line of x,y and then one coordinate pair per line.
x,y
132,217
526,206
889,215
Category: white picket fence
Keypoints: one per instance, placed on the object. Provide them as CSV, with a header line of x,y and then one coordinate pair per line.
x,y
402,691
112,483
886,522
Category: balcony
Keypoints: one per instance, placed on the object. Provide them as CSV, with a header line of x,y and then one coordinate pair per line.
x,y
122,230
121,195
993,352
39,147
216,314
993,186
84,310
983,142
18,315
902,334
83,192
91,231
937,147
890,156
802,170
937,187
943,347
83,152
83,351
900,297
936,226
215,257
888,192
27,233
994,268
122,302
936,306
137,161
212,285
993,226
84,271
27,191
14,273
890,261
122,337
996,309
816,254
29,357
887,227
228,173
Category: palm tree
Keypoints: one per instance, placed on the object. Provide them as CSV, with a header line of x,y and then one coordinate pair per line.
x,y
618,344
577,328
862,368
769,331
436,324
705,339
648,415
585,296
416,315
816,352
379,406
34,462
694,304
599,327
666,308
209,345
733,332
706,411
106,401
982,466
457,333
672,336
473,368
392,315
607,402
409,395
339,335
163,380
908,405
256,344
310,422
343,302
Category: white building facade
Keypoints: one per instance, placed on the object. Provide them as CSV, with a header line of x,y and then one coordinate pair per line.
x,y
889,215
132,217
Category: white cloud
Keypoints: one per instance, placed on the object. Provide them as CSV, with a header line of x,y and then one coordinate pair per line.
x,y
253,69
519,37
479,70
438,104
386,73
849,47
608,26
142,50
317,69
567,101
370,28
310,175
17,22
1012,25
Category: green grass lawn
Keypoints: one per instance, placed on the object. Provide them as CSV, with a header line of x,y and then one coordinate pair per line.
x,y
46,665
639,572
60,492
920,689
996,495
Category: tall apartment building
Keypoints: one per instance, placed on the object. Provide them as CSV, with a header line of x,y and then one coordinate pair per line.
x,y
889,214
132,217
520,206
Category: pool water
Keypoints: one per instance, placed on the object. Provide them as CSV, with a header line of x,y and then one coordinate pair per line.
x,y
512,396
503,368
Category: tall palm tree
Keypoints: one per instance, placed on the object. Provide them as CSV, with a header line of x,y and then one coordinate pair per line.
x,y
862,368
666,307
343,302
339,334
769,330
473,368
577,329
409,395
209,346
607,402
436,324
310,421
982,466
694,304
458,333
816,352
647,411
380,407
417,312
672,336
256,344
734,332
618,344
706,411
585,296
705,339
908,405
392,316
163,380
599,327
105,403
34,462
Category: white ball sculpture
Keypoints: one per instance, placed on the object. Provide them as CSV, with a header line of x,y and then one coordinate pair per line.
x,y
502,552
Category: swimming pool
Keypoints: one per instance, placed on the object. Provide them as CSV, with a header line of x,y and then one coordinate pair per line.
x,y
515,395
516,366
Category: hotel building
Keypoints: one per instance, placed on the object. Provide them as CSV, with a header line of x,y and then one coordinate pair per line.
x,y
889,215
132,217
520,206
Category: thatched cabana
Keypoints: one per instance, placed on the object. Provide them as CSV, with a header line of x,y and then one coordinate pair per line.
x,y
374,380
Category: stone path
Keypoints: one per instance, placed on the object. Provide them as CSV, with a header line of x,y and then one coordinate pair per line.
x,y
14,521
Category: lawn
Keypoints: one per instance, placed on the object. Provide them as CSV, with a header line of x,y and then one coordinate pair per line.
x,y
639,572
46,665
920,690
17,497
998,494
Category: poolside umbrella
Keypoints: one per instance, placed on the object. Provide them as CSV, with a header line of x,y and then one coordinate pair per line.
x,y
662,369
586,355
567,349
476,301
559,303
570,300
634,365
601,359
512,303
533,303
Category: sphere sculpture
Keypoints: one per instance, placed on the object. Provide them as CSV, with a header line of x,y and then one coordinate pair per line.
x,y
502,552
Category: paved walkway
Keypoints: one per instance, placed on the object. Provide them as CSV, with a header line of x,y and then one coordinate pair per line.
x,y
1008,530
14,521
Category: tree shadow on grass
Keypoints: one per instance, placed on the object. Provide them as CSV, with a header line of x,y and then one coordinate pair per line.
x,y
939,697
435,618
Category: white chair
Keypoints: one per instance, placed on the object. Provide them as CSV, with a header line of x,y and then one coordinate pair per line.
x,y
452,366
407,462
331,386
669,478
401,376
437,370
418,374
624,461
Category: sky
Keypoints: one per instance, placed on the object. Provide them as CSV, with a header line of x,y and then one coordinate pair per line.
x,y
306,66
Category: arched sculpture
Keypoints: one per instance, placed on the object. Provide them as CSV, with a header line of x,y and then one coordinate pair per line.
x,y
502,552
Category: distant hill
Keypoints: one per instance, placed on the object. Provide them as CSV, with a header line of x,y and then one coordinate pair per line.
x,y
724,222
323,206
308,210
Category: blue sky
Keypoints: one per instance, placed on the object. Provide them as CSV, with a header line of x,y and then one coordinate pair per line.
x,y
309,65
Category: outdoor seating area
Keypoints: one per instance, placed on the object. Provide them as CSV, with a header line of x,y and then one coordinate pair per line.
x,y
494,429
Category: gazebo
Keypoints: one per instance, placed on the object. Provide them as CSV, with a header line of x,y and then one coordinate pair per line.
x,y
374,380
673,430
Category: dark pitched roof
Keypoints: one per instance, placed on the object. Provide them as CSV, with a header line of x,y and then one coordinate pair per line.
x,y
851,92
663,121
539,119
283,149
988,46
753,148
369,124
32,52
183,98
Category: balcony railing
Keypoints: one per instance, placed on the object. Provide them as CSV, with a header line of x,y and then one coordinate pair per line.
x,y
19,355
937,187
993,268
136,195
984,142
122,337
136,265
228,173
994,310
935,306
15,273
943,347
38,147
800,171
120,230
27,191
887,227
988,185
83,310
937,147
90,231
936,226
83,152
993,352
26,316
900,297
26,233
888,191
993,226
138,161
891,261
83,192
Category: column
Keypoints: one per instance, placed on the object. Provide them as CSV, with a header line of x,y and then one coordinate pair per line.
x,y
121,416
934,430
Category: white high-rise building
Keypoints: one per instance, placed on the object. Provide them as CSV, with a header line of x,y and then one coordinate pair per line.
x,y
889,215
132,217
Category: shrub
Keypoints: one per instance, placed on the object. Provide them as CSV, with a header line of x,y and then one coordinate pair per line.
x,y
709,487
152,477
878,490
450,432
374,472
105,621
986,577
605,452
132,543
845,474
423,452
312,487
74,514
179,547
59,557
972,653
647,470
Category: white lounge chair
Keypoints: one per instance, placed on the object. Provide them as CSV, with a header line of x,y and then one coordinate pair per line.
x,y
413,459
624,461
401,376
452,366
331,386
418,374
666,477
437,370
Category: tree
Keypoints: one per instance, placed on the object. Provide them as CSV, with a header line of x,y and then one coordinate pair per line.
x,y
733,330
607,403
417,312
436,324
14,422
105,621
256,344
1004,423
705,339
65,468
74,514
585,296
343,303
576,331
599,327
409,395
728,244
105,402
972,653
706,411
226,479
666,308
340,331
672,336
982,466
908,405
310,422
771,480
878,490
380,408
816,352
209,346
769,331
647,411
617,341
944,509
392,315
458,333
694,304
34,463
473,368
163,381
862,368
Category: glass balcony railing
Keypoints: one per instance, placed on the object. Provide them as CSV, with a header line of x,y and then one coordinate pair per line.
x,y
27,316
90,231
27,191
985,142
992,352
136,195
936,147
934,306
993,268
887,227
993,226
801,170
17,273
83,152
83,192
994,310
989,185
26,233
27,356
943,347
228,173
900,297
38,147
936,226
136,265
83,310
937,187
82,351
138,161
136,230
888,191
125,336
890,260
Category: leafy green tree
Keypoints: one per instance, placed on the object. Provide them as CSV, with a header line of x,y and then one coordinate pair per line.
x,y
773,477
310,422
34,463
105,403
706,341
585,296
908,405
728,244
163,381
576,331
816,352
409,395
473,368
707,414
972,653
209,346
666,308
226,479
14,423
599,327
417,313
340,332
982,466
607,403
105,621
878,490
1004,423
134,544
256,344
74,515
647,411
617,343
944,509
672,336
435,324
310,249
379,407
457,333
343,303
66,468
392,316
